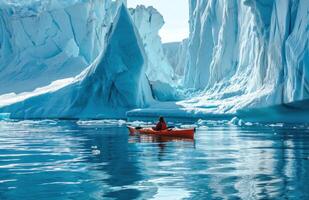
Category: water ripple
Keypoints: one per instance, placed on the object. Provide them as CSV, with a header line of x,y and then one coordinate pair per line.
x,y
99,160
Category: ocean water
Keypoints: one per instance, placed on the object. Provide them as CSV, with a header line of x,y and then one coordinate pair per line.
x,y
100,160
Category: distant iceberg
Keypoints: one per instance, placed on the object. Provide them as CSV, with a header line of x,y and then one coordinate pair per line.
x,y
159,72
148,22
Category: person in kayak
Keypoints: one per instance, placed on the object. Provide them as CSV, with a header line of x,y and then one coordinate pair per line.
x,y
161,125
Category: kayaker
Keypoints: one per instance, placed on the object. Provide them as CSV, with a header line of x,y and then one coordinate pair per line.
x,y
161,125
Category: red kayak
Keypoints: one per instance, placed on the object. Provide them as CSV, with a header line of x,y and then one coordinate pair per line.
x,y
172,132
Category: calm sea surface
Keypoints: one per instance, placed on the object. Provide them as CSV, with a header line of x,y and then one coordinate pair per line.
x,y
100,160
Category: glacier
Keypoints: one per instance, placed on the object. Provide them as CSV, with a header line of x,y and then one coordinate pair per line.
x,y
245,50
148,22
114,83
160,73
244,57
43,41
248,54
176,53
248,59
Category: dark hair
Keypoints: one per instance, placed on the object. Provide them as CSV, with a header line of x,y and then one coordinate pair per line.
x,y
161,119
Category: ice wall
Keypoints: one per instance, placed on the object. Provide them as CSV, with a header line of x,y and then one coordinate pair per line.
x,y
114,83
148,22
296,52
42,41
249,53
176,53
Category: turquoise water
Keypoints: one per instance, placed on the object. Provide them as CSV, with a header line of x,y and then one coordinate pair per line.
x,y
99,160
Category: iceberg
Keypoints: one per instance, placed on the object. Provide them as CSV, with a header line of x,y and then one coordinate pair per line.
x,y
160,73
113,84
245,60
148,22
43,41
245,56
176,53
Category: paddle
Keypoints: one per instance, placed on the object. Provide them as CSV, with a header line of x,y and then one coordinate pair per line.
x,y
170,128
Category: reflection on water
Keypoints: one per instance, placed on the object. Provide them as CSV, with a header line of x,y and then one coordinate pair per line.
x,y
75,160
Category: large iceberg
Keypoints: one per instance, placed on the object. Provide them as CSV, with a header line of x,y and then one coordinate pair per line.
x,y
148,22
114,83
248,54
245,56
42,41
160,73
242,58
176,53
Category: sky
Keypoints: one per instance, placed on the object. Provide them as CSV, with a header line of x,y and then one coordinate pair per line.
x,y
175,14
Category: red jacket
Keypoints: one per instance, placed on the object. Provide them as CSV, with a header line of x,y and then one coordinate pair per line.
x,y
161,126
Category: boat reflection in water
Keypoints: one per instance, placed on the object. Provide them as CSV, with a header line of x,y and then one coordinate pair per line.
x,y
141,138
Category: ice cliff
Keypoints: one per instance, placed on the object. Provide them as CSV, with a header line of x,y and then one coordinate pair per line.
x,y
148,22
246,58
242,58
160,72
176,53
42,41
114,83
247,54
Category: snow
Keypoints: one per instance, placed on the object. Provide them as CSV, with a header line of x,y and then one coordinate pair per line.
x,y
114,83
